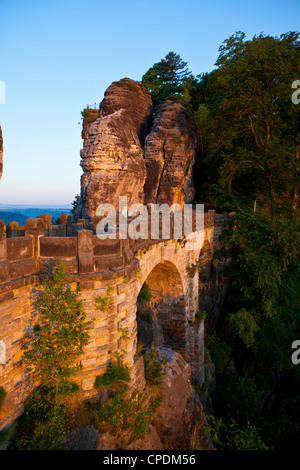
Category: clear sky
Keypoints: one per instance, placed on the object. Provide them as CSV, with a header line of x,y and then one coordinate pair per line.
x,y
58,56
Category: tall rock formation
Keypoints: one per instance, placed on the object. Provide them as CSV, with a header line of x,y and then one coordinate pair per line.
x,y
169,155
112,155
125,153
1,153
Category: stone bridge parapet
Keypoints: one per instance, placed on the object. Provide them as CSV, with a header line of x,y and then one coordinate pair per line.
x,y
125,265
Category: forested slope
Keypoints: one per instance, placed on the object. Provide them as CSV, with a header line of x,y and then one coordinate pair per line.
x,y
248,117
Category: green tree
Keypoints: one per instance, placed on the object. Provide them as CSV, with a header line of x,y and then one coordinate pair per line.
x,y
233,436
59,335
166,78
251,124
248,161
265,273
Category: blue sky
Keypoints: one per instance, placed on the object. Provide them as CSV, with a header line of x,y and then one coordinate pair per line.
x,y
58,56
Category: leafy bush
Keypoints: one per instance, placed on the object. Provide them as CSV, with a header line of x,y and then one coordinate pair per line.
x,y
244,325
233,436
240,399
123,415
44,422
219,352
145,293
126,417
59,336
114,374
153,367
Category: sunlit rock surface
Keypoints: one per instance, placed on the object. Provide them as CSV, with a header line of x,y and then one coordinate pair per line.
x,y
169,155
112,155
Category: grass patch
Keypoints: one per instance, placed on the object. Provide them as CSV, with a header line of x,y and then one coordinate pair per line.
x,y
128,85
113,375
123,416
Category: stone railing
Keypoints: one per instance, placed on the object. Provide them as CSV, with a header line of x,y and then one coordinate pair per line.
x,y
24,250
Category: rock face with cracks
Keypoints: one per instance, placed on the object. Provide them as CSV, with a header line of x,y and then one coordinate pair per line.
x,y
112,155
133,97
179,421
125,153
169,155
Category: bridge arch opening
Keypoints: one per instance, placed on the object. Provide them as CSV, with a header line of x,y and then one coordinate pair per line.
x,y
161,309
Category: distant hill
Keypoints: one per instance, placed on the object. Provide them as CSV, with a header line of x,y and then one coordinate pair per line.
x,y
21,213
12,217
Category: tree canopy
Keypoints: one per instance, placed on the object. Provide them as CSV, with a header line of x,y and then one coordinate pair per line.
x,y
166,78
250,125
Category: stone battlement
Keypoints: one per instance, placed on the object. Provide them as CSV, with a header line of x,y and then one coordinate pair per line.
x,y
25,249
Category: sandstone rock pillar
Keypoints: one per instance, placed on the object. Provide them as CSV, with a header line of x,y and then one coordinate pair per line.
x,y
169,155
112,155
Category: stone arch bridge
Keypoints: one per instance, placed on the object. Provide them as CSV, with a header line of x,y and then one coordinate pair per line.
x,y
169,319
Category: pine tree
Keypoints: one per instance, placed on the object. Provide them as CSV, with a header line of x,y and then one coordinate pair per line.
x,y
166,78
